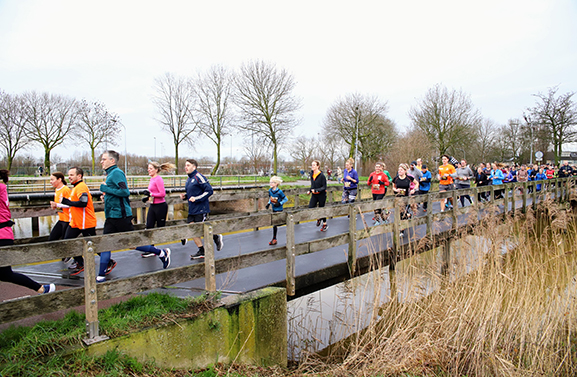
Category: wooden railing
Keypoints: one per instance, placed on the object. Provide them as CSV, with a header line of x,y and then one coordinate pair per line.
x,y
557,189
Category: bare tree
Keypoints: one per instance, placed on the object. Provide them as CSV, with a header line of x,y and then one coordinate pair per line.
x,y
303,150
559,114
485,137
13,137
514,140
96,125
408,147
267,105
50,117
334,151
256,155
213,91
175,100
446,117
361,122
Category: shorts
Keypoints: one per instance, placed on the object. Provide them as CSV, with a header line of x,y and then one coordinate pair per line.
x,y
198,218
446,187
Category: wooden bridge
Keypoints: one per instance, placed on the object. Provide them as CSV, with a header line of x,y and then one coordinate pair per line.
x,y
319,257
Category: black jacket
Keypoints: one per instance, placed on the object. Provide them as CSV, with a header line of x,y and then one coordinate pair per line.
x,y
319,184
481,179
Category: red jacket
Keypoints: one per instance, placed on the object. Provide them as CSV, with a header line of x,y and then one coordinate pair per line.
x,y
378,182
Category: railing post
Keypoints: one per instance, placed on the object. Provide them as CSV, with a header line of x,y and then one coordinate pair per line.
x,y
429,215
513,199
534,195
492,197
352,260
297,198
505,200
396,235
209,268
446,256
455,211
524,188
90,295
555,190
290,255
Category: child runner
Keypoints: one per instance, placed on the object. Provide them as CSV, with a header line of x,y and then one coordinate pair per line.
x,y
277,199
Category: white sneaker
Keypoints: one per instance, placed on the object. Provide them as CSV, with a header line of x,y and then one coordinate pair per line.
x,y
100,279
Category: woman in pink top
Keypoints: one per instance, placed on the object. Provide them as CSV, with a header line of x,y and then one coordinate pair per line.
x,y
158,208
7,239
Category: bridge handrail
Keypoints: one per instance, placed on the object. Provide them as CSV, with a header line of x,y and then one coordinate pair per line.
x,y
559,189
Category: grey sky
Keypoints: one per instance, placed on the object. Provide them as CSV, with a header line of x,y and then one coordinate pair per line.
x,y
500,52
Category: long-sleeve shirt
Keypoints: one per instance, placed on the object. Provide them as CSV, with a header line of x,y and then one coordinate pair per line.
x,y
350,185
497,176
463,177
156,189
198,187
281,199
378,182
6,233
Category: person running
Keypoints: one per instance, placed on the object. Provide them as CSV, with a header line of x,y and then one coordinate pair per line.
x,y
318,192
402,187
158,209
82,216
198,190
117,209
276,199
58,181
7,239
540,176
425,183
497,177
445,180
350,182
481,179
463,176
378,181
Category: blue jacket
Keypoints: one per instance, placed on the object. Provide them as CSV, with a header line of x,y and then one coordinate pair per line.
x,y
116,201
197,187
425,185
499,176
282,199
354,175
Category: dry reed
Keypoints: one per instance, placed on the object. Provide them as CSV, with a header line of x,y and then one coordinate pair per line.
x,y
497,313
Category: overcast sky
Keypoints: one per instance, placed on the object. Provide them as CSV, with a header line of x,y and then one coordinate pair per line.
x,y
500,52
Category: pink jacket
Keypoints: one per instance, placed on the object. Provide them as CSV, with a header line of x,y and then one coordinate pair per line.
x,y
156,188
6,233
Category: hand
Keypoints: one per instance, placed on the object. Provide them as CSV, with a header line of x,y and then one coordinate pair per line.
x,y
183,196
53,205
191,199
308,192
268,205
145,199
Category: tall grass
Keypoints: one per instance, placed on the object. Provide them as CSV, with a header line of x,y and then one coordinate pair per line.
x,y
508,313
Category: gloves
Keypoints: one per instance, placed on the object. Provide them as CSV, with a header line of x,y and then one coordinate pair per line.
x,y
146,196
268,205
381,183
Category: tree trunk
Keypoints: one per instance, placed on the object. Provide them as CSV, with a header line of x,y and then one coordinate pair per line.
x,y
47,161
274,165
93,161
176,158
215,169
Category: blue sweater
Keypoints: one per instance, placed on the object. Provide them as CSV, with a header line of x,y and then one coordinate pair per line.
x,y
354,175
498,175
197,187
425,185
282,199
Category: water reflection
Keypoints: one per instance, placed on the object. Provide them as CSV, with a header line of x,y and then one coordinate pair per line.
x,y
325,317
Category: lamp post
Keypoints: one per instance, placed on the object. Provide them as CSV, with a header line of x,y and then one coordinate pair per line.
x,y
357,117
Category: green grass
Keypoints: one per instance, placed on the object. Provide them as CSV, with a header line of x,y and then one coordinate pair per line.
x,y
36,351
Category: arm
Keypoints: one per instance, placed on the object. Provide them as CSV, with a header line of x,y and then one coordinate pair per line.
x,y
119,180
81,203
284,198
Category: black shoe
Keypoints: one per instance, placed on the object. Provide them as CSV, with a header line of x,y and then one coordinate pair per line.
x,y
219,242
165,259
111,265
199,255
184,241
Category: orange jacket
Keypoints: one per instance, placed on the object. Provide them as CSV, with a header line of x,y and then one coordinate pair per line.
x,y
82,217
63,192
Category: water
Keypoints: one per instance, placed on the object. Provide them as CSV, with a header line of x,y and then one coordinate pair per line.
x,y
322,318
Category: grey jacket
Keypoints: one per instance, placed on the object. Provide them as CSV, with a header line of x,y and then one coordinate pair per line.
x,y
465,172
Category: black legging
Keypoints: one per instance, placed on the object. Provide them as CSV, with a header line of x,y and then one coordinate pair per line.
x,y
58,231
319,199
6,273
156,215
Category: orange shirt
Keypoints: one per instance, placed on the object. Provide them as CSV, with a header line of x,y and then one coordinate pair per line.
x,y
62,192
82,217
446,170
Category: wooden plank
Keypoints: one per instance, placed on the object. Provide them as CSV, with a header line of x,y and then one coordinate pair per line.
x,y
374,231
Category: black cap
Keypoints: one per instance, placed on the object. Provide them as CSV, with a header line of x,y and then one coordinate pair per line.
x,y
414,163
423,166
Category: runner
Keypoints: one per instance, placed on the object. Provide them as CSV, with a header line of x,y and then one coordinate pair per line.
x,y
318,192
378,181
7,239
350,182
58,181
402,187
277,199
445,180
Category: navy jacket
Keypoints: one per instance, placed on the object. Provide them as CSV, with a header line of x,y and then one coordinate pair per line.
x,y
197,187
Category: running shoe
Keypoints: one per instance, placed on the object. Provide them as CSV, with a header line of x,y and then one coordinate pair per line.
x,y
324,227
183,241
48,288
273,242
377,222
165,259
219,242
402,233
318,222
76,268
111,265
100,279
198,255
147,255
